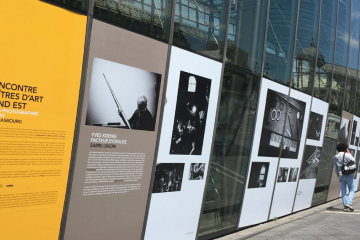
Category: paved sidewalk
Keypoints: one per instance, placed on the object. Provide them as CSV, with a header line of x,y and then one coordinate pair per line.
x,y
326,221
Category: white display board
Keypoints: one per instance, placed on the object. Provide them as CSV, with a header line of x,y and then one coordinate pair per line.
x,y
311,157
265,153
353,147
289,167
185,144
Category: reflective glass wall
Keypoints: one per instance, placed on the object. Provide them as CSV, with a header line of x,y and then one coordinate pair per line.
x,y
246,34
280,40
325,55
309,45
148,17
305,46
200,26
231,153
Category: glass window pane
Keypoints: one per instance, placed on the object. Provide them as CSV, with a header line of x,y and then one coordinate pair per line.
x,y
350,93
341,53
231,152
326,160
201,28
357,104
354,37
246,34
305,52
342,39
77,4
325,56
280,40
147,17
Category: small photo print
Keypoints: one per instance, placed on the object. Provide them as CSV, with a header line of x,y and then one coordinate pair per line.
x,y
293,174
353,134
258,174
344,130
283,174
122,96
190,114
352,152
196,171
310,163
315,124
168,177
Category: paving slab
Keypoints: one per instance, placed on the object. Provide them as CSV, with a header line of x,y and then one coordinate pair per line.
x,y
327,221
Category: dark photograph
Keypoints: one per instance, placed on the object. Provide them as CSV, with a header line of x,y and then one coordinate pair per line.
x,y
315,124
353,134
293,174
344,130
168,177
275,118
258,174
282,174
310,163
190,114
196,171
122,96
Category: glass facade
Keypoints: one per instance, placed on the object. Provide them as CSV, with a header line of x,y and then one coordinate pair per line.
x,y
280,40
325,56
307,45
148,17
231,152
246,34
76,4
200,26
305,51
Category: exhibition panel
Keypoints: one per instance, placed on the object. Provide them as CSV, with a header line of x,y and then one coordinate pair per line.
x,y
39,90
231,153
312,153
184,146
119,122
354,149
267,142
291,155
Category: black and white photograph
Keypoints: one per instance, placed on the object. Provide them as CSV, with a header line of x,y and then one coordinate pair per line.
x,y
353,134
122,96
190,114
344,130
275,119
258,174
168,177
352,152
315,125
293,174
196,171
282,174
310,163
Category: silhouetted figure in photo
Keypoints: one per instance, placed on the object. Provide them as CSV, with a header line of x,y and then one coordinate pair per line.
x,y
142,118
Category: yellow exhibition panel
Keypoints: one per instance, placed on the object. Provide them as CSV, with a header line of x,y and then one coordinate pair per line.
x,y
41,53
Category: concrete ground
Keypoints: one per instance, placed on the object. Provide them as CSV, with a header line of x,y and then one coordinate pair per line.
x,y
327,221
